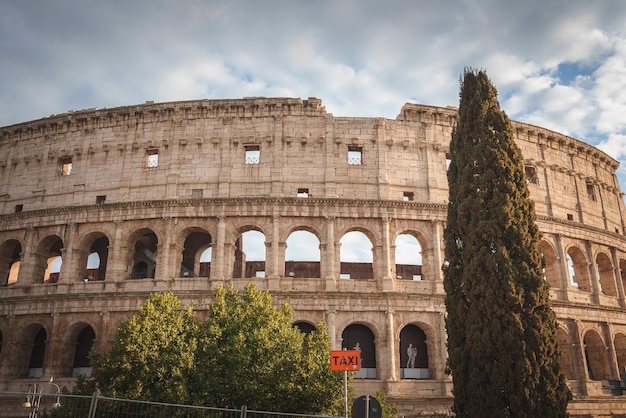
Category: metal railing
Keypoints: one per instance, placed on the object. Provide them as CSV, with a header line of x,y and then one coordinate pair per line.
x,y
96,406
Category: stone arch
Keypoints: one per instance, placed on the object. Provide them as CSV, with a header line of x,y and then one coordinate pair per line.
x,y
410,259
413,340
143,246
48,259
596,356
250,252
95,243
10,258
356,259
578,269
605,274
619,342
360,337
302,254
194,242
31,348
567,353
305,327
551,269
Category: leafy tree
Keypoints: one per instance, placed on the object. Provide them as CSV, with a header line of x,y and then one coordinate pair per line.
x,y
153,354
502,347
251,354
389,408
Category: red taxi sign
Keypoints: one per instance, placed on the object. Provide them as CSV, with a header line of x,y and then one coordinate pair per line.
x,y
346,360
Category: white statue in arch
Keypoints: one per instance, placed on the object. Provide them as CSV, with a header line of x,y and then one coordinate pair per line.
x,y
412,353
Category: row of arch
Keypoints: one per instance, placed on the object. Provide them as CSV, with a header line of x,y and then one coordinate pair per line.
x,y
196,255
33,341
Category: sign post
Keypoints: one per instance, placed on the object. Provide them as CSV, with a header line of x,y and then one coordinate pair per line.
x,y
344,361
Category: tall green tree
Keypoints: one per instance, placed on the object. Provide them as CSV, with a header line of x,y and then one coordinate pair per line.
x,y
153,354
502,347
245,353
251,354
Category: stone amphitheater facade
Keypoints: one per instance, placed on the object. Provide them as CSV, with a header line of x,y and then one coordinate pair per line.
x,y
161,197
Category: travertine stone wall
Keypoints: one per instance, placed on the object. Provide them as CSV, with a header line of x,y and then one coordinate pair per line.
x,y
160,183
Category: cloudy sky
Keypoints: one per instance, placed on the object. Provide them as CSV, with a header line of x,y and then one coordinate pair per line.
x,y
560,64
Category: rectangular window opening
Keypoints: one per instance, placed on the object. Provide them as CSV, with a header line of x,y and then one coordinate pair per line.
x,y
303,192
100,199
253,154
152,160
407,196
344,276
531,175
591,192
19,208
66,166
570,217
355,155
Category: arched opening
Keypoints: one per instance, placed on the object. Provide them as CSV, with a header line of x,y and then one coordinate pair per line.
x,y
48,259
567,354
359,337
551,271
10,253
605,274
195,244
305,327
84,343
249,255
97,260
408,256
37,354
620,351
596,356
577,267
413,353
205,262
144,255
356,257
302,255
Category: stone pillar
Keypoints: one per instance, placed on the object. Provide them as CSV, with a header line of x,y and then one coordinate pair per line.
x,y
330,257
272,258
392,347
385,268
563,269
118,261
593,273
33,264
437,252
168,252
332,330
217,273
617,275
607,331
579,357
71,270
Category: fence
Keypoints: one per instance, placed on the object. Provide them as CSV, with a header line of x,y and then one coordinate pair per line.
x,y
42,405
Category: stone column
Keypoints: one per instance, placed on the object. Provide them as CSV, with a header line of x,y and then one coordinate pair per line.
x,y
392,346
32,263
168,252
561,258
607,331
272,258
332,330
437,252
617,275
385,268
217,273
117,261
71,255
593,273
329,268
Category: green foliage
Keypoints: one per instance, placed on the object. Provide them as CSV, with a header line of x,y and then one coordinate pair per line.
x,y
246,353
153,354
389,409
502,348
252,355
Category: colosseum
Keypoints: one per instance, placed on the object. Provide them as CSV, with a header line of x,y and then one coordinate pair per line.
x,y
340,216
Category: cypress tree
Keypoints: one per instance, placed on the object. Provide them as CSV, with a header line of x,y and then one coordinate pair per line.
x,y
502,347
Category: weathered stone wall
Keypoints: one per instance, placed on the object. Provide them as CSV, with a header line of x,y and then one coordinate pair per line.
x,y
129,207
